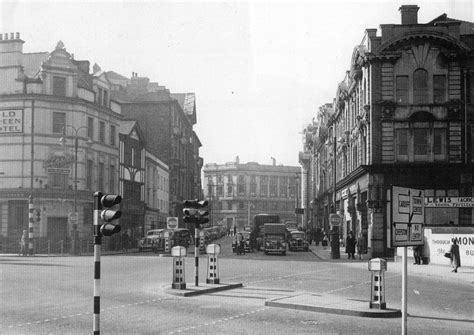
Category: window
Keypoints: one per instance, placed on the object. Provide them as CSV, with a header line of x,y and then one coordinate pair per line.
x,y
102,131
263,186
101,176
219,190
59,122
420,143
439,143
229,189
113,130
439,88
99,96
402,144
420,86
106,99
90,128
401,85
57,180
59,86
89,166
112,179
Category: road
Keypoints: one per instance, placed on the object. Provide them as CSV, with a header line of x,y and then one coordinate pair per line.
x,y
53,295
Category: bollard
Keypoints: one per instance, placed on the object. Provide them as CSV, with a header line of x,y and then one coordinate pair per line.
x,y
377,290
178,254
213,270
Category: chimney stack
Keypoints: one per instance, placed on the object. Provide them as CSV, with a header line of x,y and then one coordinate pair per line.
x,y
409,14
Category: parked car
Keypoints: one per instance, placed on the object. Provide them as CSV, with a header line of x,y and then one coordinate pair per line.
x,y
151,237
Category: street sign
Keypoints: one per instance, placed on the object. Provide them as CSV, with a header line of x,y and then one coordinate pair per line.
x,y
334,220
172,222
408,216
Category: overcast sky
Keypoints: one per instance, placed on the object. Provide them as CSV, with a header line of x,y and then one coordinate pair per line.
x,y
260,69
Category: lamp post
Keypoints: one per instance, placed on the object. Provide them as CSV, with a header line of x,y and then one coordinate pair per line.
x,y
335,253
76,146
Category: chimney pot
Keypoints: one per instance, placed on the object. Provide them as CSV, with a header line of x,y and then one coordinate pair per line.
x,y
12,36
17,36
409,14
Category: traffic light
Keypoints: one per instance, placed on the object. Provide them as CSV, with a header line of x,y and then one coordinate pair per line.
x,y
110,212
195,211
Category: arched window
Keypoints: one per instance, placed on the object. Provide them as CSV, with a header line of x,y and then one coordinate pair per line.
x,y
420,86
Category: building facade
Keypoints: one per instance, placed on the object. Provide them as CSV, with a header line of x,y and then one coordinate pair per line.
x,y
157,193
132,180
167,122
403,116
59,143
237,192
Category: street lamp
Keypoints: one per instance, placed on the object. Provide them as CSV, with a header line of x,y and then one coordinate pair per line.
x,y
335,253
76,146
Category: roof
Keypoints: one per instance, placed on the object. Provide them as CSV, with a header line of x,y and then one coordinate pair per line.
x,y
187,101
115,75
32,62
126,126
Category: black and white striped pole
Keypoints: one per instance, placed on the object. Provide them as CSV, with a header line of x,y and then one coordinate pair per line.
x,y
97,249
106,209
31,218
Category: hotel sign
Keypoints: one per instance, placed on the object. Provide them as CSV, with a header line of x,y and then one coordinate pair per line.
x,y
11,121
449,202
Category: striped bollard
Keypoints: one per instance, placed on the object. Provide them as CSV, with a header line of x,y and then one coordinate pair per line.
x,y
31,216
213,270
377,291
97,249
179,281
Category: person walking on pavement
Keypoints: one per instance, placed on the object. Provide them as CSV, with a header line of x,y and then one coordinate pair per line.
x,y
350,245
125,241
325,241
360,245
455,256
22,244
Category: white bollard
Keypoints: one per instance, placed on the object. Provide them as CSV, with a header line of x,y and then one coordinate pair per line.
x,y
179,281
377,290
213,269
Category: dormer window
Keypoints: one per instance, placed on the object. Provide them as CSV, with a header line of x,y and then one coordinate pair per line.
x,y
59,86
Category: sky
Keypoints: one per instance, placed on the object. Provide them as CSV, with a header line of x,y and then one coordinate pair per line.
x,y
259,69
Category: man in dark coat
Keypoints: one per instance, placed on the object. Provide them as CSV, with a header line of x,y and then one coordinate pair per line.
x,y
350,245
455,256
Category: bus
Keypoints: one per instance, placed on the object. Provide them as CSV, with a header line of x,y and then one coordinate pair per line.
x,y
257,230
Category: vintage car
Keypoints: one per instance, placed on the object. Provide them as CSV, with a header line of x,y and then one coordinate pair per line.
x,y
241,242
297,241
151,237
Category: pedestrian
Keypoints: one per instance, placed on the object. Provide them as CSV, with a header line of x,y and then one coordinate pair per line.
x,y
22,244
125,241
417,254
455,256
350,245
325,241
360,245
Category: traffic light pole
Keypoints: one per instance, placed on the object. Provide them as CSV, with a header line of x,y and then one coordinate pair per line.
x,y
196,256
97,249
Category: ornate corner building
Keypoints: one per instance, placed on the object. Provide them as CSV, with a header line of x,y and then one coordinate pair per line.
x,y
403,115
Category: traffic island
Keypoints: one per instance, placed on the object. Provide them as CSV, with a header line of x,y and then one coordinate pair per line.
x,y
333,305
192,290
